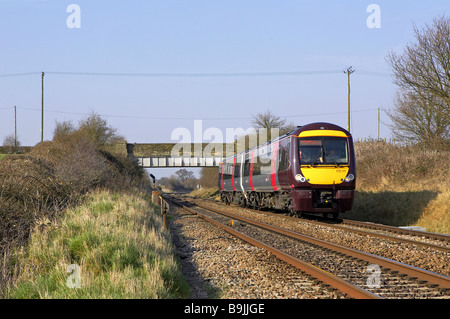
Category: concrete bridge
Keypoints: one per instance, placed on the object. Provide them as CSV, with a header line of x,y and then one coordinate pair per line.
x,y
180,154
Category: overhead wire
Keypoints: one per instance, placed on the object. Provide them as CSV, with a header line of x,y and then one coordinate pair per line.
x,y
188,118
213,74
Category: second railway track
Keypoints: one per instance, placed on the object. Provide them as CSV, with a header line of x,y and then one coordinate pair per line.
x,y
352,268
427,253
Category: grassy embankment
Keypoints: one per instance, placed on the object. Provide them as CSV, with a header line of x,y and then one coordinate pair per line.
x,y
72,204
116,239
403,186
399,186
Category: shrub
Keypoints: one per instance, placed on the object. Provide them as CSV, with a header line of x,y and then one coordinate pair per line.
x,y
54,175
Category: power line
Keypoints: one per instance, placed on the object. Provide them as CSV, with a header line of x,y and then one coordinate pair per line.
x,y
213,74
231,74
18,74
189,118
372,73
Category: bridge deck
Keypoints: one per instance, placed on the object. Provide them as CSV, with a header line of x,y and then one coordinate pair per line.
x,y
179,155
149,162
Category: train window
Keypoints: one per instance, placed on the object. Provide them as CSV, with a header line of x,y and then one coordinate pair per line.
x,y
262,162
323,150
247,167
237,169
227,171
311,151
336,151
283,157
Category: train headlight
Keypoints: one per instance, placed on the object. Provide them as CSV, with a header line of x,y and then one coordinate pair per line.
x,y
300,178
349,177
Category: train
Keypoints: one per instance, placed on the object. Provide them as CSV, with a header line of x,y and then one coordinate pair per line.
x,y
310,170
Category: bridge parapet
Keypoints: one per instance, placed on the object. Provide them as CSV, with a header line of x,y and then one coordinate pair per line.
x,y
149,162
180,154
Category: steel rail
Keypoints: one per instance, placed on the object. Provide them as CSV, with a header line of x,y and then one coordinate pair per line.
x,y
320,274
421,274
435,236
398,230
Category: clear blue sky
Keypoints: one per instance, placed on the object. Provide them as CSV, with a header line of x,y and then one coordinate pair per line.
x,y
192,37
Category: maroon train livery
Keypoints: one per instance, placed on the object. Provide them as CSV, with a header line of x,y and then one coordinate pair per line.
x,y
311,169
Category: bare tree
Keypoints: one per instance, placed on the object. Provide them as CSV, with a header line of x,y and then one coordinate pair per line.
x,y
97,130
62,129
422,72
268,120
11,144
183,175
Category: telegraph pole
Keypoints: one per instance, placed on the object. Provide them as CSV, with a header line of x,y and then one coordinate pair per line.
x,y
349,71
42,107
15,129
378,131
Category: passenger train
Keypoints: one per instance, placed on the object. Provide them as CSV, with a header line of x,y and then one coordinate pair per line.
x,y
311,169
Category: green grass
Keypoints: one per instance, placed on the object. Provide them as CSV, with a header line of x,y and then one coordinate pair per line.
x,y
119,243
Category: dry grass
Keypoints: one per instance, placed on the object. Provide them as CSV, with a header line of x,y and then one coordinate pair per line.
x,y
402,186
54,175
118,241
206,192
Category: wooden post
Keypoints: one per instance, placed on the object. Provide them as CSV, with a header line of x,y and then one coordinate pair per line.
x,y
42,106
164,209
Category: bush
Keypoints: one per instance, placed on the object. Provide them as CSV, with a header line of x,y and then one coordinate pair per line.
x,y
97,130
55,174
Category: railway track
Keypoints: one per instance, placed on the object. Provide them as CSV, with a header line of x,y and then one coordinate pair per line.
x,y
435,241
442,240
357,274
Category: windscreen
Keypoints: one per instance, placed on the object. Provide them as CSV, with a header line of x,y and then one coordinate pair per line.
x,y
323,151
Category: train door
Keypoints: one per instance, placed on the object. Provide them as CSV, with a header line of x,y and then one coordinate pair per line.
x,y
284,170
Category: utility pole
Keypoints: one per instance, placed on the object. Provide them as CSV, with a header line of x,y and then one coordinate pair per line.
x,y
378,131
349,71
15,129
42,107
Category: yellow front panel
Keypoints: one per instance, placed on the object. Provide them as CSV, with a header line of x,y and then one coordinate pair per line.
x,y
324,175
322,133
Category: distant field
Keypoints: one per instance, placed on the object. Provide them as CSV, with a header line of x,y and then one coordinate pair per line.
x,y
3,156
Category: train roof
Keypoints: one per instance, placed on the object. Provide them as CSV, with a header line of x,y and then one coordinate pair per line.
x,y
318,126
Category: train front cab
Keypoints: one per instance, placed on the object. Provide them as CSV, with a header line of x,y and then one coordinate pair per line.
x,y
325,172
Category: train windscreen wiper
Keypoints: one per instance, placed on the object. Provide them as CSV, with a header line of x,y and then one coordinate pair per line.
x,y
318,156
335,163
